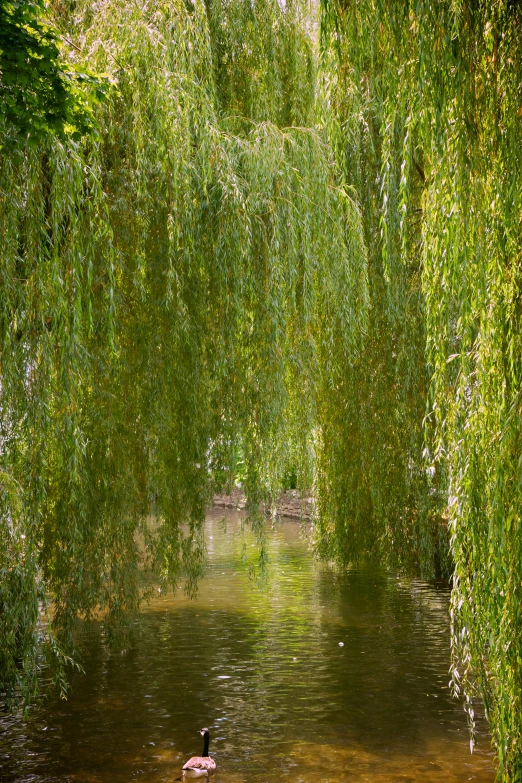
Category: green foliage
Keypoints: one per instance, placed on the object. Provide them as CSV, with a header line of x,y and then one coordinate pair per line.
x,y
40,93
437,86
378,500
195,293
174,292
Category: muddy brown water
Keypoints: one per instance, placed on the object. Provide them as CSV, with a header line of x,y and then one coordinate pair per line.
x,y
264,669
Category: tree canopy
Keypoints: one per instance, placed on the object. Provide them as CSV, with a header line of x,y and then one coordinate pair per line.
x,y
177,290
427,99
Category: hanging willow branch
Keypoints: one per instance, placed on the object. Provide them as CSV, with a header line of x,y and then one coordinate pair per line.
x,y
435,87
176,292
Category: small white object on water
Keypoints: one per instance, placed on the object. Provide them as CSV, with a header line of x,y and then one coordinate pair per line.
x,y
294,659
341,644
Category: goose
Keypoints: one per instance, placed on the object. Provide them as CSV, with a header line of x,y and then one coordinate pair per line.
x,y
200,766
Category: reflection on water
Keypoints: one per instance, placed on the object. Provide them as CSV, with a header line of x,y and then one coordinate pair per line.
x,y
264,669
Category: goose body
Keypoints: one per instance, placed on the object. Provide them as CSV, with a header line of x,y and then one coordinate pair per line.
x,y
200,766
195,772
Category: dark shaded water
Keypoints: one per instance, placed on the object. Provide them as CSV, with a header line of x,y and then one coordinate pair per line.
x,y
263,669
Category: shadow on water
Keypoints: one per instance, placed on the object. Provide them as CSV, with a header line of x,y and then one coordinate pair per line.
x,y
265,670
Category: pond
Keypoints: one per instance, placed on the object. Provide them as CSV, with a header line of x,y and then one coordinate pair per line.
x,y
317,676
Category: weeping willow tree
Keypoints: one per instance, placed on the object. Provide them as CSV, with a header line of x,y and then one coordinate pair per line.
x,y
426,108
379,499
175,290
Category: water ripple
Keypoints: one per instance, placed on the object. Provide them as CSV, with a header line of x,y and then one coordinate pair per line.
x,y
317,676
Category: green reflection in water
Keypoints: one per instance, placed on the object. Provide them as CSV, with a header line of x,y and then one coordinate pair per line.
x,y
263,669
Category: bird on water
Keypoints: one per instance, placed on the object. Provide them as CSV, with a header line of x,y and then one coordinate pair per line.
x,y
200,766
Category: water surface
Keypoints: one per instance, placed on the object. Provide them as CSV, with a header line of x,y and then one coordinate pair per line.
x,y
264,669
